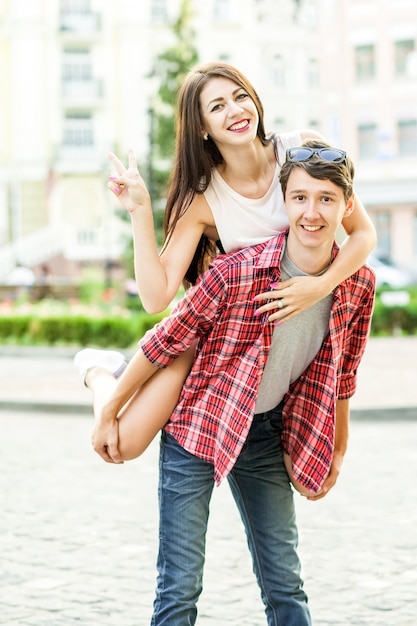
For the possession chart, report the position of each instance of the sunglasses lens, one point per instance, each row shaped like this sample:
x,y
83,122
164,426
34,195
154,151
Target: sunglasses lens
x,y
299,154
332,155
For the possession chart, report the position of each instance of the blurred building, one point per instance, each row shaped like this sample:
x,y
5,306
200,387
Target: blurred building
x,y
77,83
369,105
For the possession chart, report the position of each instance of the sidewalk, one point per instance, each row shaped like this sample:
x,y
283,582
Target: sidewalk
x,y
78,537
44,379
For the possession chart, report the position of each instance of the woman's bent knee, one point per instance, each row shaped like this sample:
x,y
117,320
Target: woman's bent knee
x,y
151,407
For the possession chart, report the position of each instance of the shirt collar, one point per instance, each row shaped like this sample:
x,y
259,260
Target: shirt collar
x,y
274,248
272,252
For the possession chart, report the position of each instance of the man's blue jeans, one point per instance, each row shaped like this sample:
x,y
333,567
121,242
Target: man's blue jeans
x,y
262,492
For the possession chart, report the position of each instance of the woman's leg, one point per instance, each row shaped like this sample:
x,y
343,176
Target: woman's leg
x,y
150,407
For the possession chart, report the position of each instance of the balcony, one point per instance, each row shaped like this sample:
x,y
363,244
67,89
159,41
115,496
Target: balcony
x,y
73,159
82,92
82,23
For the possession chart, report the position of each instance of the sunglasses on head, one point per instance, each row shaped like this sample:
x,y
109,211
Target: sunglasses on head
x,y
332,155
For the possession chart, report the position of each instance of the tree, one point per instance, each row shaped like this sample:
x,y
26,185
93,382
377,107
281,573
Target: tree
x,y
171,66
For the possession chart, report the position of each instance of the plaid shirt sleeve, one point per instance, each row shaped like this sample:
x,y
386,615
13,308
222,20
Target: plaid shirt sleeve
x,y
360,305
192,317
310,405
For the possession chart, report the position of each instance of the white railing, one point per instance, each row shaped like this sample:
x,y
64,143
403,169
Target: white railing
x,y
30,250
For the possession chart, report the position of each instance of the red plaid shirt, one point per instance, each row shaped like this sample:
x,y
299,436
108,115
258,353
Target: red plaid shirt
x,y
216,406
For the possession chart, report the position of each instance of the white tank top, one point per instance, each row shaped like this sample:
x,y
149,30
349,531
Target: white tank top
x,y
242,221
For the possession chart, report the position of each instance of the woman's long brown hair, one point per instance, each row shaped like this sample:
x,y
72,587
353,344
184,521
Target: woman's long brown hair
x,y
195,158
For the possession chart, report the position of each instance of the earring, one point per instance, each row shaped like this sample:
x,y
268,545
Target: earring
x,y
205,136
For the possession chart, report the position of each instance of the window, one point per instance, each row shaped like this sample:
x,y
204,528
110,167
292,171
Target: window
x,y
368,141
312,74
86,237
383,231
76,65
75,7
403,55
78,130
278,73
76,16
159,10
407,137
314,124
365,62
221,10
77,75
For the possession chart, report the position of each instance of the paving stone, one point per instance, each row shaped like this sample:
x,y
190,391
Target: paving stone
x,y
78,538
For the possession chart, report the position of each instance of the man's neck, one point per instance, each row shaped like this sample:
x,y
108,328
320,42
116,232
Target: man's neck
x,y
309,260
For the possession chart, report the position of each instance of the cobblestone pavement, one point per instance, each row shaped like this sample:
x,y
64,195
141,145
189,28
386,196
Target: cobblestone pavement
x,y
78,538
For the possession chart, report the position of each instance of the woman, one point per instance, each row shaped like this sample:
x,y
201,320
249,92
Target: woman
x,y
224,193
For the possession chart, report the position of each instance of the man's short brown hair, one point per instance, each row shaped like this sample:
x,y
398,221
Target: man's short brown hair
x,y
341,174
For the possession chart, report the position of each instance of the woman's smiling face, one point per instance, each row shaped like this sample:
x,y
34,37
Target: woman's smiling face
x,y
228,113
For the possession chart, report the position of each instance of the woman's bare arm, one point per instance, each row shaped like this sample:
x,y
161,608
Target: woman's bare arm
x,y
158,277
302,292
355,249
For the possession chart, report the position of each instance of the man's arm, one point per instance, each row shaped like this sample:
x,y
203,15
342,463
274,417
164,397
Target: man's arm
x,y
340,447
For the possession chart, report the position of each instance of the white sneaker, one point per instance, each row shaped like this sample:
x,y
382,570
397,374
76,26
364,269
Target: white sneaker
x,y
110,360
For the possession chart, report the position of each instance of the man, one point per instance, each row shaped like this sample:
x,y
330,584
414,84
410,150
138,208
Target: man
x,y
257,393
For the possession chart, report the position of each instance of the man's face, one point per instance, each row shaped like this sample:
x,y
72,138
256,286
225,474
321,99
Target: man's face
x,y
315,210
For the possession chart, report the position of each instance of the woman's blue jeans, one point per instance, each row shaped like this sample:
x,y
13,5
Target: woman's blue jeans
x,y
262,492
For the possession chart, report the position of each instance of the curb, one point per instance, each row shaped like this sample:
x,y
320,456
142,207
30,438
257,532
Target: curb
x,y
61,352
406,414
385,414
47,407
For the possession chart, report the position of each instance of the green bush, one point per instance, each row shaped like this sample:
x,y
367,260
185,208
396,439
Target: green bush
x,y
58,323
395,319
80,330
14,327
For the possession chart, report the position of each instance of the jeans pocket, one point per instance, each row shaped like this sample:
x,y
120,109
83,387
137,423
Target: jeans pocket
x,y
274,422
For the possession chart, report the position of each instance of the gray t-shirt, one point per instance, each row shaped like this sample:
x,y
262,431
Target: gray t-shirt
x,y
294,345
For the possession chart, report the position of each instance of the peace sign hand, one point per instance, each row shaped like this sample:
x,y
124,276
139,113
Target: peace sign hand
x,y
127,184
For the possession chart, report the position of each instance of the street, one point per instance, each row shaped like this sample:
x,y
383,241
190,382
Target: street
x,y
78,537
